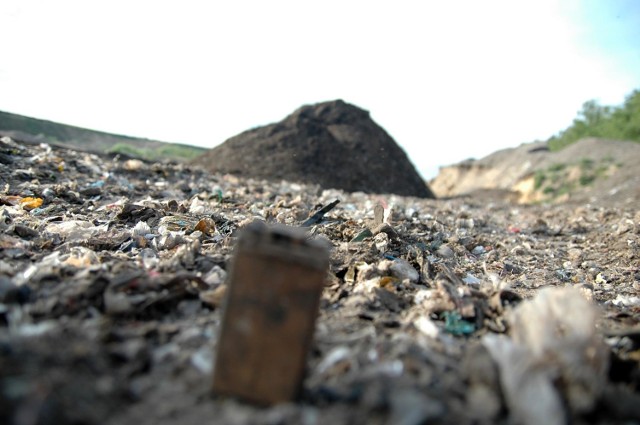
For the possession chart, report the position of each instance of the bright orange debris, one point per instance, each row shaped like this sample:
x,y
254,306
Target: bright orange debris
x,y
30,203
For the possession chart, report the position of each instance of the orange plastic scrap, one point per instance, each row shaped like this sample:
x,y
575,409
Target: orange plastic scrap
x,y
29,203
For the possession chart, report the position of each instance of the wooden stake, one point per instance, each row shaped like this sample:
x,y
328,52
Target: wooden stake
x,y
275,284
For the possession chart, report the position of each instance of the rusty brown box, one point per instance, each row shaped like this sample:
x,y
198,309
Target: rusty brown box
x,y
275,284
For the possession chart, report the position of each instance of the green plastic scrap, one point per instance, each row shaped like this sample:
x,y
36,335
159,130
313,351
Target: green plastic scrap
x,y
455,325
366,233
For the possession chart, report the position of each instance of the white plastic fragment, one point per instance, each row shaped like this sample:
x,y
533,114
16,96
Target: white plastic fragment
x,y
141,229
202,360
366,286
388,368
402,269
529,392
554,354
35,329
41,268
422,295
48,193
335,356
426,326
381,241
365,271
170,240
199,207
626,301
470,279
74,230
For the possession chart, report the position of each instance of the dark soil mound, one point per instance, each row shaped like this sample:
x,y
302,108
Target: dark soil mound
x,y
332,144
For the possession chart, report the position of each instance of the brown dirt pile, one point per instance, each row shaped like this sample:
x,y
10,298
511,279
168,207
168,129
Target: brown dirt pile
x,y
332,144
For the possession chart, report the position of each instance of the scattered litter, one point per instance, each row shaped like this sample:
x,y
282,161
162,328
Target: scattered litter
x,y
114,274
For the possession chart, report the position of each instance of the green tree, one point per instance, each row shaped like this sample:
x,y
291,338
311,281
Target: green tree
x,y
627,118
595,120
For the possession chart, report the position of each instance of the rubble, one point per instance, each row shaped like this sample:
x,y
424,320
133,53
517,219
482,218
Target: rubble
x,y
113,274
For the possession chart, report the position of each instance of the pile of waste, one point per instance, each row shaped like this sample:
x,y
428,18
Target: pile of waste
x,y
114,274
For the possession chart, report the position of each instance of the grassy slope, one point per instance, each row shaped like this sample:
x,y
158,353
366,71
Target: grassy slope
x,y
95,141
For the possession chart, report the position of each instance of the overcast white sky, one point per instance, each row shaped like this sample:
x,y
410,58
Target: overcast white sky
x,y
449,80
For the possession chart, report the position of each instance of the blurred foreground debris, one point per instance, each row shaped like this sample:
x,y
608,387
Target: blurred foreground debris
x,y
275,285
555,361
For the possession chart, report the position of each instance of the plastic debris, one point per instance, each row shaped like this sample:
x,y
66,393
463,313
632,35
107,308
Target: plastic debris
x,y
29,203
626,301
364,234
470,279
338,355
319,215
455,325
426,326
554,355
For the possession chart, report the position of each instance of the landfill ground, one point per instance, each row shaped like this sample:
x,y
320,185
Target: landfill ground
x,y
465,311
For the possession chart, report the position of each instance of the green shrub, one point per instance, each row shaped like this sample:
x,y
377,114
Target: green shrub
x,y
554,168
586,179
126,149
538,179
609,122
586,163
